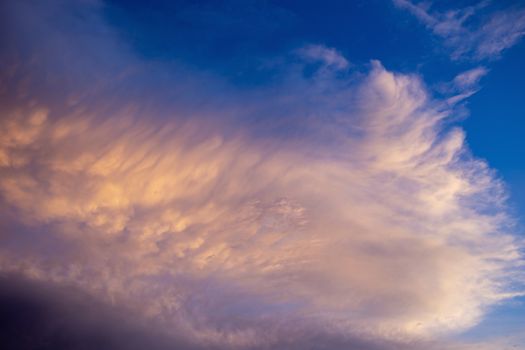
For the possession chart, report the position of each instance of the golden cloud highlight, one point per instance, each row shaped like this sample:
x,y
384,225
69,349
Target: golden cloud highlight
x,y
393,230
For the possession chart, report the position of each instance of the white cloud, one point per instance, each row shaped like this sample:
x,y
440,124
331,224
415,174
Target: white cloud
x,y
485,38
469,78
329,57
463,85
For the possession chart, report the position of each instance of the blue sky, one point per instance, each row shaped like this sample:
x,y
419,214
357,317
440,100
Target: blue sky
x,y
237,39
263,174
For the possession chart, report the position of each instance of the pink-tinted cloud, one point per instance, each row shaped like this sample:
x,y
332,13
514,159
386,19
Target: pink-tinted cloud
x,y
375,222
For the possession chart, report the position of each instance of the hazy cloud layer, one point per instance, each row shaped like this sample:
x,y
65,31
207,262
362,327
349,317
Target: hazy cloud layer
x,y
471,32
364,221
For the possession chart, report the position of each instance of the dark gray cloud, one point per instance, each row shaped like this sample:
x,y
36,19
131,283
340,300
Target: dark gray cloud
x,y
42,315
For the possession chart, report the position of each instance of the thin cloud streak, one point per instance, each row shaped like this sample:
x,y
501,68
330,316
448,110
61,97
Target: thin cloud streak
x,y
464,85
469,78
496,31
329,57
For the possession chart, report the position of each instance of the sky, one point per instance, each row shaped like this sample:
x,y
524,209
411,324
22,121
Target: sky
x,y
262,174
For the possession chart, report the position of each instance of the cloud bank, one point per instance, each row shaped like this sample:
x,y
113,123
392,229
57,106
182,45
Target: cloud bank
x,y
362,221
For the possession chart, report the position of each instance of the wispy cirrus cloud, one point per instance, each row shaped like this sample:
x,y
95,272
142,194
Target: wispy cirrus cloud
x,y
325,55
464,85
486,37
363,222
469,78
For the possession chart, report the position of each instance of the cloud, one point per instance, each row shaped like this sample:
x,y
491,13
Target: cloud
x,y
363,220
37,314
470,77
486,37
463,85
329,57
